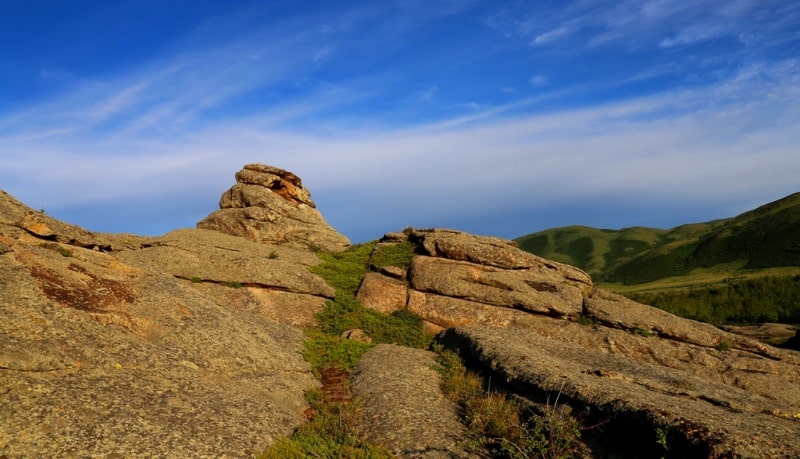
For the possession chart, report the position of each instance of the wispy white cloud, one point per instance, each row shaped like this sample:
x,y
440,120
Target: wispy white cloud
x,y
710,142
693,34
538,80
184,123
551,35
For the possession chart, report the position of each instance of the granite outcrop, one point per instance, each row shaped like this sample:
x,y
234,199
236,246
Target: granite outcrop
x,y
190,343
128,346
540,328
270,205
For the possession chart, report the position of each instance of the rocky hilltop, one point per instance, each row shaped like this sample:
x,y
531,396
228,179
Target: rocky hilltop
x,y
189,344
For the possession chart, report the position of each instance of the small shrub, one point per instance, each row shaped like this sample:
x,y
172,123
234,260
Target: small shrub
x,y
723,345
234,284
65,252
642,332
585,320
500,423
493,415
328,434
324,350
273,255
345,270
196,280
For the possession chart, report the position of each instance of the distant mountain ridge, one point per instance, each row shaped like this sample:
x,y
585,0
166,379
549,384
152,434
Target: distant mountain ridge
x,y
766,237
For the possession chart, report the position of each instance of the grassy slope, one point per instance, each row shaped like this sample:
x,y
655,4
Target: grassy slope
x,y
751,244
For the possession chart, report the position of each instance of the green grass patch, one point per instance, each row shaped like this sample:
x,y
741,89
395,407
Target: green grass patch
x,y
323,350
345,270
331,432
399,255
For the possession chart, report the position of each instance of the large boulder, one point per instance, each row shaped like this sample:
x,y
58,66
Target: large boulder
x,y
271,205
124,346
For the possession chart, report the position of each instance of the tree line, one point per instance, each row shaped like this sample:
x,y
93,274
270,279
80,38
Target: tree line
x,y
741,302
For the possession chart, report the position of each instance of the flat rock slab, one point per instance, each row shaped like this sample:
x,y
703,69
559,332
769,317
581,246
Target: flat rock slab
x,y
403,407
702,418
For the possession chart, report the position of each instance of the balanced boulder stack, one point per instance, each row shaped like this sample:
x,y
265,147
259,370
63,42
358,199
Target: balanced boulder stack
x,y
268,204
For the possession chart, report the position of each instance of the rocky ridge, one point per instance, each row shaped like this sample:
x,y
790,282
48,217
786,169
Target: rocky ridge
x,y
188,343
539,327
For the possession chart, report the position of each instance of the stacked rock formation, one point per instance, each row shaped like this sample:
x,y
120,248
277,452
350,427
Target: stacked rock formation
x,y
268,204
541,328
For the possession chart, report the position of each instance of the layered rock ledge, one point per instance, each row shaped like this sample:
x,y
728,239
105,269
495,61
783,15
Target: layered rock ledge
x,y
538,327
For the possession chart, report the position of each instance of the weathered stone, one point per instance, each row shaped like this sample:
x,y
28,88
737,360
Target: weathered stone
x,y
394,237
496,252
446,312
402,406
18,221
270,205
619,312
382,293
102,357
540,292
704,418
209,256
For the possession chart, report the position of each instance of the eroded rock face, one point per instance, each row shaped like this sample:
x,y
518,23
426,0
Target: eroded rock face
x,y
126,346
541,327
271,205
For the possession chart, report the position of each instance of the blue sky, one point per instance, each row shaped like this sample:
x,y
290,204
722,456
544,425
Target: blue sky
x,y
493,117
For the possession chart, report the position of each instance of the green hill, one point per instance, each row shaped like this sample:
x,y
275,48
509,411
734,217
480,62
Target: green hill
x,y
741,270
766,237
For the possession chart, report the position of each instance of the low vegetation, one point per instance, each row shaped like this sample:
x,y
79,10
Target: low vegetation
x,y
330,432
398,255
503,426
